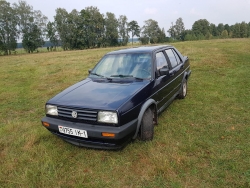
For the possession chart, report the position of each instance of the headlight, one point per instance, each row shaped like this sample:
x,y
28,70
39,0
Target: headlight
x,y
107,117
51,110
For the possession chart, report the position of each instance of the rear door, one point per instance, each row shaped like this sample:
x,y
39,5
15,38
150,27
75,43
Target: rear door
x,y
176,69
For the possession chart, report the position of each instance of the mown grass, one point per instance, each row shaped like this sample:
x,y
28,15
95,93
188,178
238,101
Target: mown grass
x,y
202,141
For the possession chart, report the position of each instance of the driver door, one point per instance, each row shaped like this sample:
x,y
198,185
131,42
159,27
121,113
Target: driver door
x,y
163,84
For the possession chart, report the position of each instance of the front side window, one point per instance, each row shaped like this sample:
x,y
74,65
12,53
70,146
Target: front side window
x,y
161,61
125,65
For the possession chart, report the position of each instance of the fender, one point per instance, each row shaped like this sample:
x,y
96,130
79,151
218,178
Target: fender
x,y
143,109
186,75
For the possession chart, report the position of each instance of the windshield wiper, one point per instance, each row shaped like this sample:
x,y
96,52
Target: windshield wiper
x,y
101,76
126,76
138,78
97,74
121,75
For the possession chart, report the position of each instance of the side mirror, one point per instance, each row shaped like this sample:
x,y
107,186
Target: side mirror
x,y
90,70
164,71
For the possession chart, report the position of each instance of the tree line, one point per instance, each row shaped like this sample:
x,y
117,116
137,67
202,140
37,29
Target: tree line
x,y
203,30
89,28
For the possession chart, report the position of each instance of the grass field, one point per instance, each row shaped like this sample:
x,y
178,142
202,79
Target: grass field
x,y
202,141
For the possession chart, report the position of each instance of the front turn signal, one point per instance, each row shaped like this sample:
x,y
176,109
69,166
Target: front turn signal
x,y
45,124
110,135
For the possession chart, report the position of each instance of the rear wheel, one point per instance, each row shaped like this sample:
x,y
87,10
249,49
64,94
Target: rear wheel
x,y
147,127
183,91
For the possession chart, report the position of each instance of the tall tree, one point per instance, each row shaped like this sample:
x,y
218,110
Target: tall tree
x,y
151,30
32,38
213,30
34,32
177,31
52,34
172,31
61,21
97,25
162,36
220,28
236,31
92,26
8,28
243,30
86,35
111,29
74,35
134,28
201,28
70,27
32,25
24,14
179,28
227,27
123,29
248,29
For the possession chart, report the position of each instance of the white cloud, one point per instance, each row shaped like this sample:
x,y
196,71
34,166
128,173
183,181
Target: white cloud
x,y
150,11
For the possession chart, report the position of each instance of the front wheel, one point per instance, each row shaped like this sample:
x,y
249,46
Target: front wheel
x,y
147,127
183,91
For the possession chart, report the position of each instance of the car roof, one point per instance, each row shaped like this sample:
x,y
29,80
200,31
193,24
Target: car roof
x,y
142,49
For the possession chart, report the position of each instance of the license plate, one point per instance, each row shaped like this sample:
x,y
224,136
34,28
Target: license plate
x,y
72,131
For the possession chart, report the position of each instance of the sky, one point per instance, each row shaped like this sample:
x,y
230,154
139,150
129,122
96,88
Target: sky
x,y
163,11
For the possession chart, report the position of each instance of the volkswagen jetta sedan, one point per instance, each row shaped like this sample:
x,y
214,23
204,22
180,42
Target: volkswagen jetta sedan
x,y
120,99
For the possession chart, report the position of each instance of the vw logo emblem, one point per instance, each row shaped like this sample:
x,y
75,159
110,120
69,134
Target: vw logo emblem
x,y
74,114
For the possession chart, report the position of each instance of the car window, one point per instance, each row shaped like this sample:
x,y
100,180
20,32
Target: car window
x,y
177,57
125,65
108,61
171,57
161,60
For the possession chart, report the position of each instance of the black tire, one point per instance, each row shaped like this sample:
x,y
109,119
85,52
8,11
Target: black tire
x,y
146,132
183,91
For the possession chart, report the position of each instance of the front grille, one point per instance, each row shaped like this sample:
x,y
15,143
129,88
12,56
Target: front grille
x,y
82,114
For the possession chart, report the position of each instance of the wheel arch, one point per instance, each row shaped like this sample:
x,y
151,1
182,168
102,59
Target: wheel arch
x,y
186,75
148,104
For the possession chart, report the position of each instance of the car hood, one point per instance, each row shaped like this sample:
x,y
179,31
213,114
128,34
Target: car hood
x,y
97,95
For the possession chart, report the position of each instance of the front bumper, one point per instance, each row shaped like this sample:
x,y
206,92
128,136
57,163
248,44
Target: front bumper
x,y
123,134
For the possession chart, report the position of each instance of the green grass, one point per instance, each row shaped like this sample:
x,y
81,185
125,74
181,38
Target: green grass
x,y
202,141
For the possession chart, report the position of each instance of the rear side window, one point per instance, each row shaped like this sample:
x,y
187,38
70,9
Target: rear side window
x,y
161,60
171,57
177,57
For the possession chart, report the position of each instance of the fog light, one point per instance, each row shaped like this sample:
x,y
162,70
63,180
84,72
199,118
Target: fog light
x,y
110,135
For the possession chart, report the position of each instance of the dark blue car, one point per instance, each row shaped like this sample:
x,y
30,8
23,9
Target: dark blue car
x,y
121,98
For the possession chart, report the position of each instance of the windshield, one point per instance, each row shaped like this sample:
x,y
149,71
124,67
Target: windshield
x,y
136,65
